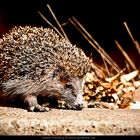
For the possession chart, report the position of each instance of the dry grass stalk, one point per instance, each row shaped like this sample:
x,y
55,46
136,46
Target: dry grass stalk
x,y
126,55
110,80
94,43
127,66
106,67
99,48
50,24
86,38
134,41
57,21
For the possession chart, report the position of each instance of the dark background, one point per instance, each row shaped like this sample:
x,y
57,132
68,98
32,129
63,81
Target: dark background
x,y
102,19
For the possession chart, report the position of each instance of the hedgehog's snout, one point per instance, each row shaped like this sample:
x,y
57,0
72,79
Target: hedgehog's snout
x,y
79,101
74,106
78,106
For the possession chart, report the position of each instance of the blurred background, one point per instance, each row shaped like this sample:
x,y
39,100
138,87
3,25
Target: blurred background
x,y
102,19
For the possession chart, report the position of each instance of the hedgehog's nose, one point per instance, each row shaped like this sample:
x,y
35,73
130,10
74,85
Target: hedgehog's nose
x,y
79,106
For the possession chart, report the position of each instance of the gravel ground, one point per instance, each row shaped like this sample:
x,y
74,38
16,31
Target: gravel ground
x,y
89,121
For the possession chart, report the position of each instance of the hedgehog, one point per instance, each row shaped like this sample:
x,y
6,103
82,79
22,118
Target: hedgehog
x,y
36,62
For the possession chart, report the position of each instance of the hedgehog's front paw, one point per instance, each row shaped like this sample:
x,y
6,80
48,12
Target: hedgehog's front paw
x,y
38,108
32,105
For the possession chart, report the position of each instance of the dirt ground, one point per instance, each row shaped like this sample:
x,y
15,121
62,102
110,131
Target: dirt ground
x,y
89,121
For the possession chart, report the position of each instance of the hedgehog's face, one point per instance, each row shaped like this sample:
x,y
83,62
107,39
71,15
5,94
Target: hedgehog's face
x,y
71,88
72,94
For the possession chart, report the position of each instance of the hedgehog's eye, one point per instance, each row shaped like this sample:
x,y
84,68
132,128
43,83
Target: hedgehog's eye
x,y
69,86
22,73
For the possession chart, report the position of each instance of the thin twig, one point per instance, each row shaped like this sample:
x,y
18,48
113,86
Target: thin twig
x,y
96,43
98,50
93,43
126,55
50,23
127,66
57,22
84,36
134,41
126,26
110,80
106,67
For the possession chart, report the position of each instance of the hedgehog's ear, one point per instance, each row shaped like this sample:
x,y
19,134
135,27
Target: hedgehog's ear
x,y
60,73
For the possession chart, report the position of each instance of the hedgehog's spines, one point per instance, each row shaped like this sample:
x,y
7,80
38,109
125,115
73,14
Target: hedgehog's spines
x,y
35,48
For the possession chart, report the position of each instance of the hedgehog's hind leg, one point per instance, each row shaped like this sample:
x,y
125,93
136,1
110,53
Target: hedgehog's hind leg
x,y
32,104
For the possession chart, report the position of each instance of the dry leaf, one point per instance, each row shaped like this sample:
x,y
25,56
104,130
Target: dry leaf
x,y
136,84
89,77
125,102
127,77
110,105
136,95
